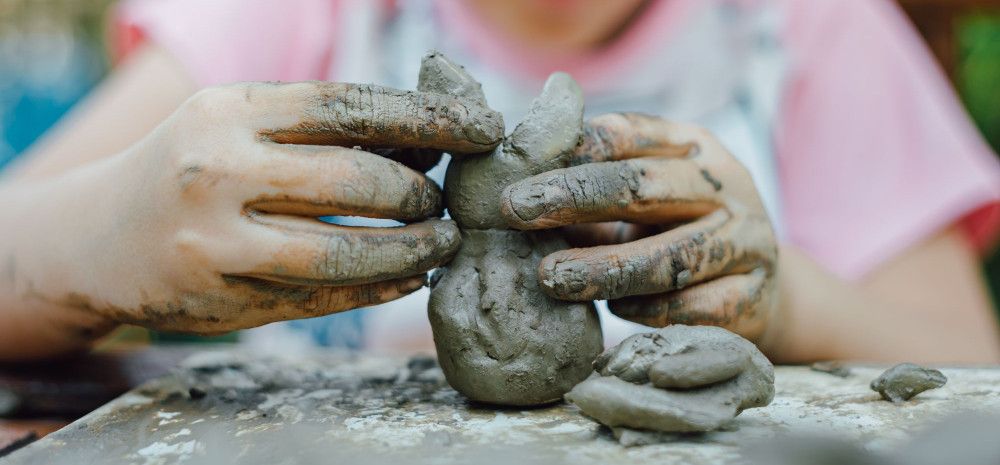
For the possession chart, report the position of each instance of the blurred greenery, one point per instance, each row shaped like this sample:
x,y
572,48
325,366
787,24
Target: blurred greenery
x,y
978,80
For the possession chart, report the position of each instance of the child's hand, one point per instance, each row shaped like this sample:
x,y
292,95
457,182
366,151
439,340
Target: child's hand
x,y
697,246
211,222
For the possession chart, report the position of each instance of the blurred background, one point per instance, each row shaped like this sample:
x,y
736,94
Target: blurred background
x,y
52,52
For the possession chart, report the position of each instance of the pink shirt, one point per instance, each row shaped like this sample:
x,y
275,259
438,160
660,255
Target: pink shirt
x,y
874,152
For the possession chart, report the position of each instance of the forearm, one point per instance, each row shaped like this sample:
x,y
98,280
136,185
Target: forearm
x,y
132,101
43,309
824,317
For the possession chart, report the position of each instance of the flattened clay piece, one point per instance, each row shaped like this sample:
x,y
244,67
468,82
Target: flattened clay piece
x,y
677,379
906,380
499,338
831,367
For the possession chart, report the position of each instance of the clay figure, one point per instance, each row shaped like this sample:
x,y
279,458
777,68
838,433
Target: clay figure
x,y
676,379
499,338
906,380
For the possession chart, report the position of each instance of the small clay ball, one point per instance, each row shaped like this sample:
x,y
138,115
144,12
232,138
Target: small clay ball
x,y
906,380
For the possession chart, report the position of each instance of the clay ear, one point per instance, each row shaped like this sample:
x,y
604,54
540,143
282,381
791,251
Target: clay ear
x,y
553,126
698,368
440,75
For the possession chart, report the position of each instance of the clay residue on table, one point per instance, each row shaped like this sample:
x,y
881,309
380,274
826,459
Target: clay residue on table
x,y
904,381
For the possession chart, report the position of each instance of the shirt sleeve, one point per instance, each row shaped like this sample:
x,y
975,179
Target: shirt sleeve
x,y
221,41
875,152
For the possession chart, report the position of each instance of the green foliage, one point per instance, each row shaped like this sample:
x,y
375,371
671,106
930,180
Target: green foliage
x,y
979,72
978,81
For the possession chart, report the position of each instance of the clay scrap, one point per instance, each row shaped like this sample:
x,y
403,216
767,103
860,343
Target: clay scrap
x,y
676,379
499,338
903,381
831,367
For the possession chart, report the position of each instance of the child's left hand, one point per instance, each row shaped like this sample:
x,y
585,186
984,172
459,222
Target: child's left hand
x,y
690,240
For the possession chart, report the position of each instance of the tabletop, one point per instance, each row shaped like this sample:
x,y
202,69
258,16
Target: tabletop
x,y
345,408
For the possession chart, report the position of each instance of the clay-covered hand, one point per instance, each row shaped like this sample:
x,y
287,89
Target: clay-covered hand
x,y
676,379
681,235
212,219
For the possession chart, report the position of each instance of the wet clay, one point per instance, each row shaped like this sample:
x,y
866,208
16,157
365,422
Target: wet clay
x,y
906,380
676,379
499,338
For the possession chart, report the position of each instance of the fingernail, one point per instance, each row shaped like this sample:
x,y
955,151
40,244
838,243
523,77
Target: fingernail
x,y
567,278
529,203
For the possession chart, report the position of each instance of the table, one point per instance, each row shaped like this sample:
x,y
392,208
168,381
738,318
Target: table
x,y
354,408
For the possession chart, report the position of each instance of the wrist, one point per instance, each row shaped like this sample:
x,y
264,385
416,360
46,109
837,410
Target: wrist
x,y
46,302
804,324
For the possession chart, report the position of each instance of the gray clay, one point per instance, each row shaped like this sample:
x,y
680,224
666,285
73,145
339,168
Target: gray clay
x,y
676,379
499,338
831,367
906,380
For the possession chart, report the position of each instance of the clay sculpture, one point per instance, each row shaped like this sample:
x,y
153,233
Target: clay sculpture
x,y
499,338
906,380
676,379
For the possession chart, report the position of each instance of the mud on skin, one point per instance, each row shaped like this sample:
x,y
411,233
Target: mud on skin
x,y
499,338
904,381
676,379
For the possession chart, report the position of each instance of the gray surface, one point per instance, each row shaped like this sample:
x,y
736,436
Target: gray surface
x,y
359,409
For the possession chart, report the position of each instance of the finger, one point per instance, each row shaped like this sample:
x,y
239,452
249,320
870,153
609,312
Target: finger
x,y
269,301
309,253
701,367
614,232
730,302
689,254
421,160
251,302
330,181
620,136
348,115
640,191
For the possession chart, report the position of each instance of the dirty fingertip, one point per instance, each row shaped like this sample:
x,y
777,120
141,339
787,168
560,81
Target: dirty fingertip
x,y
449,239
483,126
567,280
523,204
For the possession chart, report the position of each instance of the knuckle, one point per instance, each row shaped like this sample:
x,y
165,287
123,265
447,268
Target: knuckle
x,y
205,100
190,246
196,175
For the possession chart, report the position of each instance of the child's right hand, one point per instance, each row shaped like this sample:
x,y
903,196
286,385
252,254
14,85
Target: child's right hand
x,y
208,224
